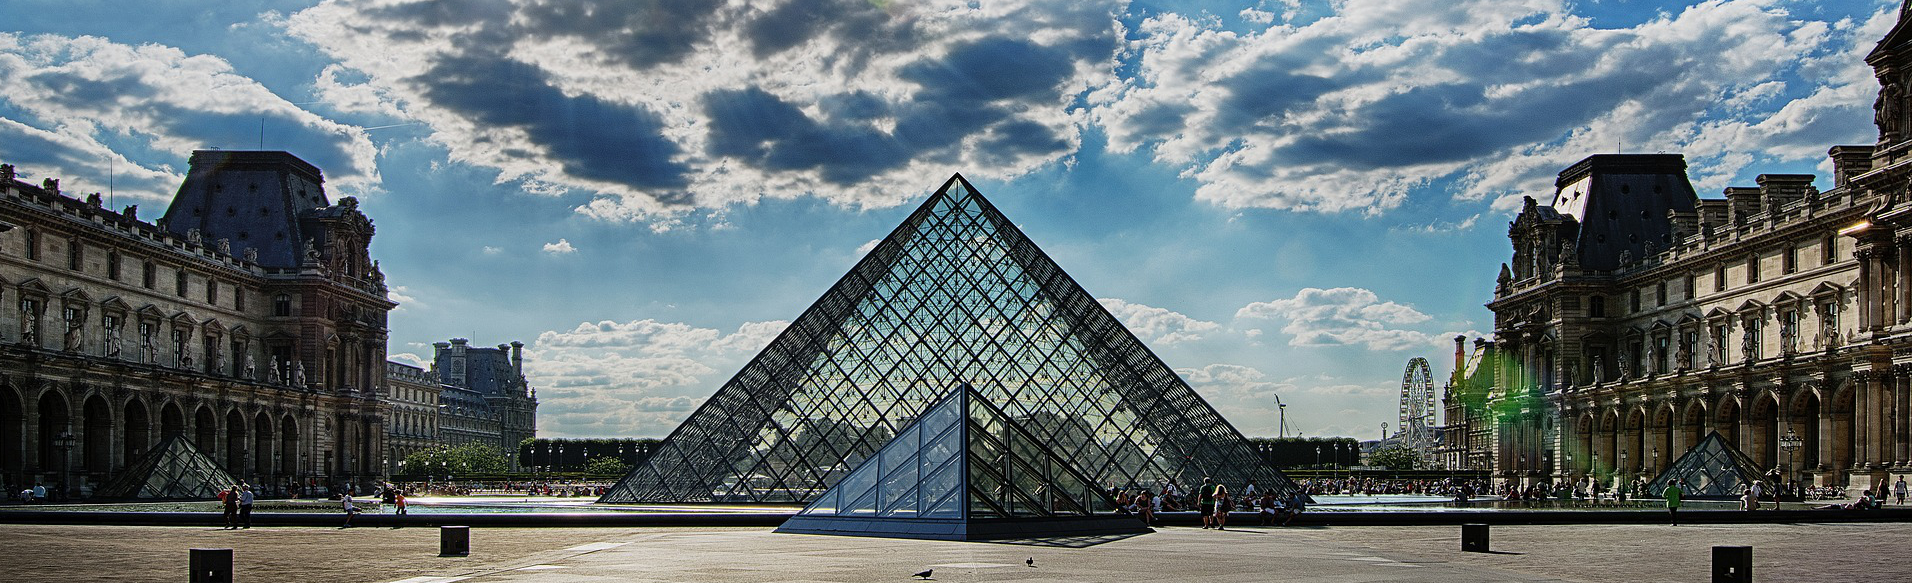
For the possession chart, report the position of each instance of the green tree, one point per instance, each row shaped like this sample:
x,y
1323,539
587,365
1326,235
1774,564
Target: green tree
x,y
464,460
1395,457
607,466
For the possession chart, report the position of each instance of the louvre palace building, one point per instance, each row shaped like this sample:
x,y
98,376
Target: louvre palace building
x,y
1635,318
249,319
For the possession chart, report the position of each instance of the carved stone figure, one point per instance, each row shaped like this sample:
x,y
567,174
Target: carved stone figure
x,y
1889,112
251,255
250,371
1684,356
72,341
6,172
272,373
1748,346
194,238
51,185
298,374
112,343
93,200
224,246
1599,371
131,211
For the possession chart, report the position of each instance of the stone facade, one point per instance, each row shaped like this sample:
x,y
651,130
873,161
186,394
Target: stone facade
x,y
1636,317
484,396
250,318
413,427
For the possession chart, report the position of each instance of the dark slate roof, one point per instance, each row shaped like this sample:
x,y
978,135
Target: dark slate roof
x,y
1622,203
253,198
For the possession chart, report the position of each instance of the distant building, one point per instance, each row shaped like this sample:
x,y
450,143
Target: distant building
x,y
1636,317
484,398
413,424
250,319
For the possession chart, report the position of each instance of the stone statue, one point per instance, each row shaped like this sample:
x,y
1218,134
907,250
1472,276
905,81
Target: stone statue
x,y
252,255
1626,257
1599,370
1748,345
51,185
224,246
72,342
1626,368
6,173
272,373
131,211
194,238
251,372
112,343
1684,355
93,200
298,374
152,353
29,328
311,251
185,358
1889,111
1652,359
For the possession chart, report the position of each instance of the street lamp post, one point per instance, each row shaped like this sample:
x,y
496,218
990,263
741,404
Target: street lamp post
x,y
1790,442
1621,472
64,441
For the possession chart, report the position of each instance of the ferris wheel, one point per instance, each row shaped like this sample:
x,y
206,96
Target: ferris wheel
x,y
1417,407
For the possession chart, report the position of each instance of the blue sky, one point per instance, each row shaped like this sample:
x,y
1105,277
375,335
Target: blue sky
x,y
1287,197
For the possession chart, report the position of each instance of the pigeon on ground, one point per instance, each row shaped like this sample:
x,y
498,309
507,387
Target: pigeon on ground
x,y
924,575
1031,561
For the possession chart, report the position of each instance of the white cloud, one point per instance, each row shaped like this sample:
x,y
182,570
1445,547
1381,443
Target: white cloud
x,y
659,107
71,96
1342,316
562,247
402,295
411,359
490,250
1354,111
638,377
866,248
1157,325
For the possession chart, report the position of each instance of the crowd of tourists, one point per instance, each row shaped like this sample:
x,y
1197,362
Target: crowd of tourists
x,y
1213,500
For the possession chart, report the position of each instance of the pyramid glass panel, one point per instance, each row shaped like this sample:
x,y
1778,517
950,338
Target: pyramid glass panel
x,y
1003,484
173,470
956,294
1712,469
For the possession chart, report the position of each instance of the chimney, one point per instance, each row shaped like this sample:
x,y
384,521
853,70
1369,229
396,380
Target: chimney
x,y
1460,356
517,358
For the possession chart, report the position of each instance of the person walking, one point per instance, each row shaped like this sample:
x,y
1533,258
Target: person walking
x,y
1898,490
245,505
400,498
1672,496
350,510
229,499
1207,497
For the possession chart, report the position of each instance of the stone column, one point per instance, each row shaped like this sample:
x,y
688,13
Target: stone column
x,y
1902,280
1868,293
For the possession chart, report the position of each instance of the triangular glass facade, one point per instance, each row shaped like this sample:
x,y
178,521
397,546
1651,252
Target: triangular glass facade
x,y
1711,469
173,470
955,294
964,470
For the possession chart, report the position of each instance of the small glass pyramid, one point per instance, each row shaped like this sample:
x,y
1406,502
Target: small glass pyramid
x,y
1711,469
173,470
955,294
964,471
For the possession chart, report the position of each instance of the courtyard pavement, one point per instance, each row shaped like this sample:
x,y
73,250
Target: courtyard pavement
x,y
1782,552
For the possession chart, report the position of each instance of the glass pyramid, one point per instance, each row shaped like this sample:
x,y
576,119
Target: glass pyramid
x,y
173,470
955,294
1711,469
964,470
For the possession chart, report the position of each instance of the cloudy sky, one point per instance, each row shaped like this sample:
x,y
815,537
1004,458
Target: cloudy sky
x,y
1283,197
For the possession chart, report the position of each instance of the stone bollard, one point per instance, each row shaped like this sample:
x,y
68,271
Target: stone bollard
x,y
454,541
1732,564
211,565
1474,538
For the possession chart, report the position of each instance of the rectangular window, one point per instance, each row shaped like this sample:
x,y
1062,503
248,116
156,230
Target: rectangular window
x,y
148,275
1790,264
1719,343
238,298
148,352
1659,294
1753,340
1752,269
1829,250
179,283
1597,306
30,321
212,291
112,341
281,305
33,244
1719,278
113,265
1634,300
1690,291
75,255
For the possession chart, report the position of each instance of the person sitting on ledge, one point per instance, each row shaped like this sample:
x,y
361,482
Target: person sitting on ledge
x,y
1865,502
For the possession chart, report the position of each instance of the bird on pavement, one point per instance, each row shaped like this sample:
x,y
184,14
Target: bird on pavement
x,y
1031,561
924,575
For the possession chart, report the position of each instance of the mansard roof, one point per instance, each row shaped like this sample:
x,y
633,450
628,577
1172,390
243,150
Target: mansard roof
x,y
253,199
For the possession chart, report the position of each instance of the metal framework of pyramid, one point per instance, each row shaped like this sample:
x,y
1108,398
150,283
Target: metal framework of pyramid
x,y
964,471
955,294
1711,469
173,470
